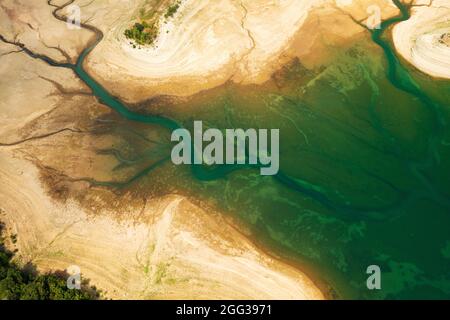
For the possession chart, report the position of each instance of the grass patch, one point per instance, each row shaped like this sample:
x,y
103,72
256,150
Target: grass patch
x,y
142,33
18,283
172,10
145,31
161,272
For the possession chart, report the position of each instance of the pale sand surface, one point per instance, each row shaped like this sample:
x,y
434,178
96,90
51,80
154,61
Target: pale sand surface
x,y
206,43
32,22
176,250
420,39
331,26
25,94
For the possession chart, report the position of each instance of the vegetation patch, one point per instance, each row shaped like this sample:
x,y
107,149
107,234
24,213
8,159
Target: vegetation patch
x,y
172,10
145,31
25,284
445,39
161,272
142,33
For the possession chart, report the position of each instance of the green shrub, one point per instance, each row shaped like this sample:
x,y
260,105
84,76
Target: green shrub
x,y
172,10
141,33
16,283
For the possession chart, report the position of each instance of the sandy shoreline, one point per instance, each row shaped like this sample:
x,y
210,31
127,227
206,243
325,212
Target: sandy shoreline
x,y
180,252
205,44
420,39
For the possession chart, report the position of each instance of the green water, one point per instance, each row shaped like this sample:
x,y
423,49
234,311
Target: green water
x,y
365,167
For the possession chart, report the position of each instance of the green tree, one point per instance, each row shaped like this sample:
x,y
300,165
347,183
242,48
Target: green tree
x,y
15,283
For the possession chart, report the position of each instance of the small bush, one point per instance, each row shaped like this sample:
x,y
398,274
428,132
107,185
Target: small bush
x,y
16,283
141,33
172,10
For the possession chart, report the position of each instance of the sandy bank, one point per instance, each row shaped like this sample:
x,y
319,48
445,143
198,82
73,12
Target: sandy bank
x,y
422,39
178,251
208,43
202,46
